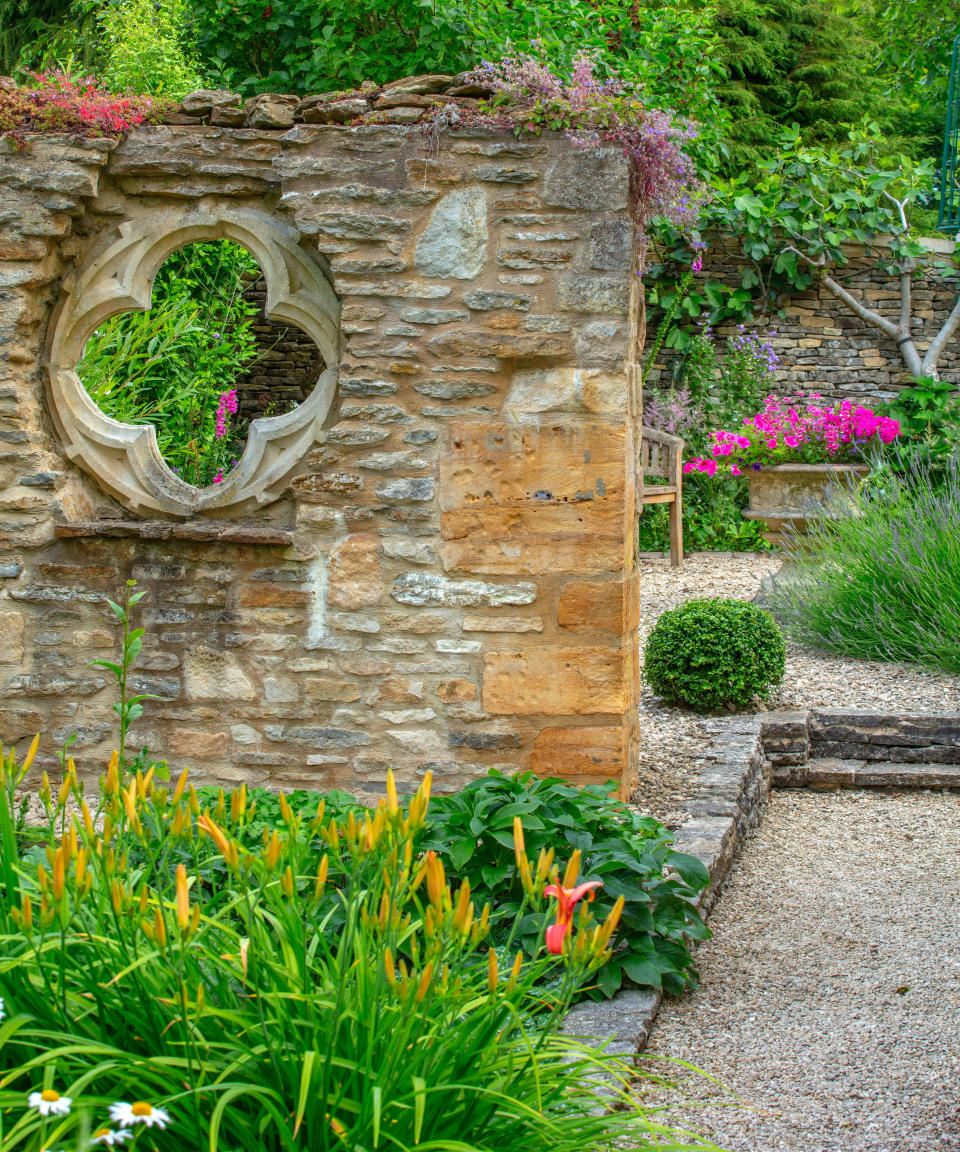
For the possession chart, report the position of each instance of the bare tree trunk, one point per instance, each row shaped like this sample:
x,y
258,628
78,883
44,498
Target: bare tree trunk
x,y
901,331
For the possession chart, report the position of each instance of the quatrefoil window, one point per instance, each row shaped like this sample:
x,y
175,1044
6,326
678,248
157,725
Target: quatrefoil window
x,y
125,458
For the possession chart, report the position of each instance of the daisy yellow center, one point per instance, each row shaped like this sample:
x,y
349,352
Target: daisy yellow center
x,y
49,1096
141,1108
101,1132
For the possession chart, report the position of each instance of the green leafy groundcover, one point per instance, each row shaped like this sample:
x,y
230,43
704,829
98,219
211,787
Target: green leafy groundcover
x,y
472,831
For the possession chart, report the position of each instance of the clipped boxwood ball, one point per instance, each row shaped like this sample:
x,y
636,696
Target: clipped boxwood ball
x,y
714,654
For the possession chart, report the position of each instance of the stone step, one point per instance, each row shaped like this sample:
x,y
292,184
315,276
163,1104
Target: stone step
x,y
833,773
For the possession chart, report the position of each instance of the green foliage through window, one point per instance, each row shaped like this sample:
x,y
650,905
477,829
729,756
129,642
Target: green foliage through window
x,y
175,366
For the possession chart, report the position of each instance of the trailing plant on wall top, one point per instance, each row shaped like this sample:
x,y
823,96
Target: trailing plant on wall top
x,y
75,106
595,111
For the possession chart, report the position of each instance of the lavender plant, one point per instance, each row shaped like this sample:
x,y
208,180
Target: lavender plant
x,y
879,578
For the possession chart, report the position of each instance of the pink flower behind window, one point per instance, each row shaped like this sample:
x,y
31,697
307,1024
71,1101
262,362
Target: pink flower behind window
x,y
226,404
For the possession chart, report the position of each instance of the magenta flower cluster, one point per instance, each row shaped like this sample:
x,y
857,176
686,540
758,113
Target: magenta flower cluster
x,y
797,430
227,404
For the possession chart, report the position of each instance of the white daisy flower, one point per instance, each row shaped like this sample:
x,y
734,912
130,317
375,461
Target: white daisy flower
x,y
49,1103
109,1137
139,1112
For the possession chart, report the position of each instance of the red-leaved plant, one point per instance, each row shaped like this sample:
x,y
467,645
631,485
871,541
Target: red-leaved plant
x,y
72,106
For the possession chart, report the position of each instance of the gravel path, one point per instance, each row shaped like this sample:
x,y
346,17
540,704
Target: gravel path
x,y
830,995
671,737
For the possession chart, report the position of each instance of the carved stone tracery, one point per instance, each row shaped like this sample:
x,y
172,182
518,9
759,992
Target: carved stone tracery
x,y
125,458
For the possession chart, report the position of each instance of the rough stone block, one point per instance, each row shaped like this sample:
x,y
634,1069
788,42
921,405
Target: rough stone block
x,y
554,681
454,243
597,605
212,675
456,691
353,579
429,588
594,750
502,624
198,745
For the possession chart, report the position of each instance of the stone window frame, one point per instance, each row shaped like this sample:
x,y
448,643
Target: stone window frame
x,y
118,277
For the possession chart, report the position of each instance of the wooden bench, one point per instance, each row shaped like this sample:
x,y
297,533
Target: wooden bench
x,y
661,455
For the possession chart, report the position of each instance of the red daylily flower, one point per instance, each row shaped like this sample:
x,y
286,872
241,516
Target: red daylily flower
x,y
567,899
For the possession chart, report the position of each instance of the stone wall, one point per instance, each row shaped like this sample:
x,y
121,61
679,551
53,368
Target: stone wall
x,y
286,365
824,347
448,582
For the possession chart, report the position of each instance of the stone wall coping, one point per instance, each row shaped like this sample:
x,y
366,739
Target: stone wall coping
x,y
816,469
166,530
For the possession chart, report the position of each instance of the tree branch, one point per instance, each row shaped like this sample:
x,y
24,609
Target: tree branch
x,y
901,204
938,343
858,308
906,303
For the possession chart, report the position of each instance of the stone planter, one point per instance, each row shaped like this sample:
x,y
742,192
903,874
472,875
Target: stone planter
x,y
786,494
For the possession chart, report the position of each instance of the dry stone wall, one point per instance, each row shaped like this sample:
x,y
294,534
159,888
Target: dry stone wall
x,y
286,364
823,347
448,582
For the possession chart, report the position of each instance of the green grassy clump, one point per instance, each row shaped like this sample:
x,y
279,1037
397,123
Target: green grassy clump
x,y
879,579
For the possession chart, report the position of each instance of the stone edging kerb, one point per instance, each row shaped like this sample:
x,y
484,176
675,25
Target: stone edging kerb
x,y
746,756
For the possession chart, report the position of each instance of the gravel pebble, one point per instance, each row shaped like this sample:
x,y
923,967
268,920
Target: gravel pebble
x,y
671,737
830,997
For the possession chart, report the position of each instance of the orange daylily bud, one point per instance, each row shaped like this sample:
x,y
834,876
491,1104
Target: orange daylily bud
x,y
272,855
493,973
112,784
392,802
180,788
27,912
58,874
519,847
159,928
286,812
321,877
544,864
28,759
573,869
515,972
238,803
227,848
436,879
183,900
424,986
286,882
463,914
389,968
608,927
